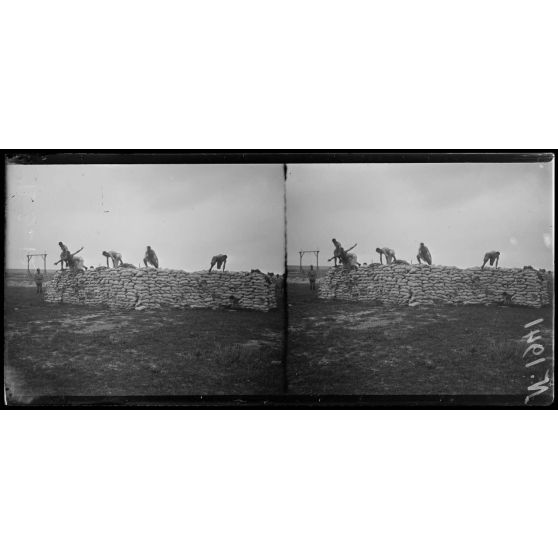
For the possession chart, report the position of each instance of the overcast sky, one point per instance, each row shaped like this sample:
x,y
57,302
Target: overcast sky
x,y
460,211
186,213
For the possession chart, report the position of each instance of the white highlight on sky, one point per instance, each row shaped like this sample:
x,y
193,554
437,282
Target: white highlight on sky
x,y
547,239
187,213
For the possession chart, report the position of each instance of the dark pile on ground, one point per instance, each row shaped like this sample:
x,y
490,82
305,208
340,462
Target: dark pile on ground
x,y
338,347
69,350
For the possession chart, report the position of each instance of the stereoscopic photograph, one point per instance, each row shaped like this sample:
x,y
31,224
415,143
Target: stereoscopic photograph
x,y
143,280
287,283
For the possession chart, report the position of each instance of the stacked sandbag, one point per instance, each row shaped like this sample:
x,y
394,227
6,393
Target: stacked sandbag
x,y
154,288
414,285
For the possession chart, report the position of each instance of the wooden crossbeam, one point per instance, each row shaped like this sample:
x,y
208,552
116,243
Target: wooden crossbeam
x,y
29,256
302,252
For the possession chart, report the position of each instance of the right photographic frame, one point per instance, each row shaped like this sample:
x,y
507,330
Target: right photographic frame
x,y
424,279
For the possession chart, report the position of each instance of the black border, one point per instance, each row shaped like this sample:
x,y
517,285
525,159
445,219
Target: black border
x,y
277,156
287,401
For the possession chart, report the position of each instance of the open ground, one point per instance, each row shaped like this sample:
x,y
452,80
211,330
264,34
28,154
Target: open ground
x,y
333,347
71,350
348,348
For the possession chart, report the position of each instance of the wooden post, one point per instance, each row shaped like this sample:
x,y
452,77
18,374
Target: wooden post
x,y
300,263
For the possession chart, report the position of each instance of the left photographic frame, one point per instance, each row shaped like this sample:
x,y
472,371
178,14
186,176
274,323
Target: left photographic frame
x,y
149,281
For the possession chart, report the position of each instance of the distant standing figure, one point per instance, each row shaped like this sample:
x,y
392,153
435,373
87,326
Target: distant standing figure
x,y
219,260
116,258
151,258
312,278
388,253
494,257
39,281
424,254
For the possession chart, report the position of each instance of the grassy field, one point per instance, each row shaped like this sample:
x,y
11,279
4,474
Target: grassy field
x,y
68,350
24,278
302,276
334,348
357,348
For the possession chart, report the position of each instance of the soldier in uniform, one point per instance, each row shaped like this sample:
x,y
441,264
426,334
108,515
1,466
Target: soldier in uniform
x,y
312,278
39,281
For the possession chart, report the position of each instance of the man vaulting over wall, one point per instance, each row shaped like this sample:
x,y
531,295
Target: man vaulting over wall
x,y
74,263
339,253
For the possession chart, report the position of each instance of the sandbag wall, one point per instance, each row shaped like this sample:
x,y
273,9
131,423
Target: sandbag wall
x,y
413,285
155,288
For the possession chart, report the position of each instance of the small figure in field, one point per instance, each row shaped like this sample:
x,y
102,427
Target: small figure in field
x,y
388,253
63,255
116,258
493,257
151,257
312,278
219,260
339,252
424,254
39,281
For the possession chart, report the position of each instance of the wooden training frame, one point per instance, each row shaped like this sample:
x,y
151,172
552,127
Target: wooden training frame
x,y
302,252
29,256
